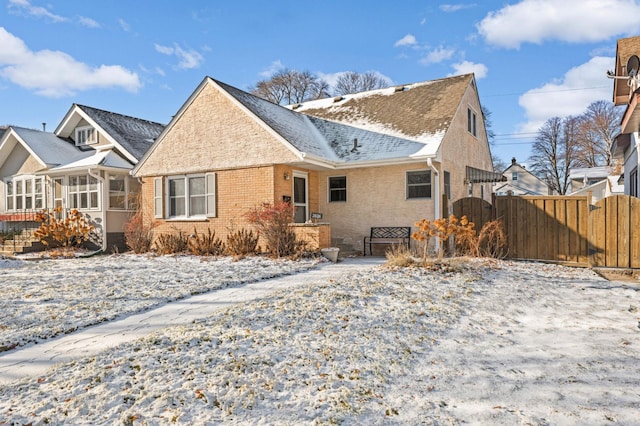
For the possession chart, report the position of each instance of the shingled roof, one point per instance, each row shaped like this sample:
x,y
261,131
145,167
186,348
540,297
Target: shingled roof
x,y
48,148
420,112
134,134
359,137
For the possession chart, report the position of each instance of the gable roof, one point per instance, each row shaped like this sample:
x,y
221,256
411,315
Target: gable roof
x,y
47,148
420,112
133,136
405,124
322,138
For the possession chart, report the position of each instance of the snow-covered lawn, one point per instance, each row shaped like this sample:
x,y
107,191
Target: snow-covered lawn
x,y
494,342
41,299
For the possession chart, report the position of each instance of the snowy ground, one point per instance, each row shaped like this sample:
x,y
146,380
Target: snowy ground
x,y
46,298
490,343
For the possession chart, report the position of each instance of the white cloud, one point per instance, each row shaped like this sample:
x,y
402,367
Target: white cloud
x,y
408,40
437,55
88,22
272,69
449,8
534,21
571,95
124,25
24,6
189,59
56,74
467,67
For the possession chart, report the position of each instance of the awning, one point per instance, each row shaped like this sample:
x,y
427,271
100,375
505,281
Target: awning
x,y
483,176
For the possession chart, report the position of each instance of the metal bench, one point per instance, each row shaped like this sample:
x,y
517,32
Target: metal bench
x,y
387,235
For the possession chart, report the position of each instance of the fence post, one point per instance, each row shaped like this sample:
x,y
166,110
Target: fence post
x,y
590,250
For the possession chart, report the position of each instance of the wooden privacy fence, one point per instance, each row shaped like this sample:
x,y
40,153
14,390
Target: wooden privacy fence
x,y
565,229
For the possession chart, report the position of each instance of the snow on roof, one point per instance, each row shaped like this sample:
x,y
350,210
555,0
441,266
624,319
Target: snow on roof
x,y
296,128
49,148
103,158
134,134
421,112
590,172
334,140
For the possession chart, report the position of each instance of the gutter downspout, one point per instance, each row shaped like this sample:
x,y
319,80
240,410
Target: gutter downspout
x,y
103,208
436,196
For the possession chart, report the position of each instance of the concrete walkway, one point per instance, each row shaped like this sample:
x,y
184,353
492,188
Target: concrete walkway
x,y
32,361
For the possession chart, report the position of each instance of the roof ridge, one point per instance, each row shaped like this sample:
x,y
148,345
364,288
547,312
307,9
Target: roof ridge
x,y
119,114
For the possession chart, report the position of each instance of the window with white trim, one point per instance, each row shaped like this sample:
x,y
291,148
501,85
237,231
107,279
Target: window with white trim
x,y
85,136
117,192
419,184
83,192
514,175
471,122
25,193
337,188
190,196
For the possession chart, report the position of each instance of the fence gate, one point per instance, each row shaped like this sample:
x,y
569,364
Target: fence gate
x,y
615,232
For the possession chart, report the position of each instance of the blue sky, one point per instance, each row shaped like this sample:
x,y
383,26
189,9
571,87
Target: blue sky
x,y
533,59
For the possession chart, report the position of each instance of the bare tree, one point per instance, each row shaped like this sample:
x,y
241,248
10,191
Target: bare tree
x,y
598,127
353,82
290,86
554,152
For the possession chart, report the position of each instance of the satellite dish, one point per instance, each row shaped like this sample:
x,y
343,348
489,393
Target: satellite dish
x,y
633,65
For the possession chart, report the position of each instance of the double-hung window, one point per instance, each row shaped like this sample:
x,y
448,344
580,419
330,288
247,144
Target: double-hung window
x,y
189,196
337,188
83,192
25,193
419,184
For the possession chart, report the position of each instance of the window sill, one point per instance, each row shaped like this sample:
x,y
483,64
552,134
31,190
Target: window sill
x,y
187,219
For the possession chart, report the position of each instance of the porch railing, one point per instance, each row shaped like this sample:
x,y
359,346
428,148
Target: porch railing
x,y
17,228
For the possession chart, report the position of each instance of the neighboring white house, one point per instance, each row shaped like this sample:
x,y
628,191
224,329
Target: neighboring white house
x,y
83,165
626,91
520,181
600,181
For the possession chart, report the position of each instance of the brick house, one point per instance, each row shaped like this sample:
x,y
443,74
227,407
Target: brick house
x,y
84,164
379,158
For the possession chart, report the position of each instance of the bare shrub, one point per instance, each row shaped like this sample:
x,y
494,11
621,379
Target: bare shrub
x,y
272,222
242,242
492,240
206,244
399,256
171,243
443,229
137,235
71,231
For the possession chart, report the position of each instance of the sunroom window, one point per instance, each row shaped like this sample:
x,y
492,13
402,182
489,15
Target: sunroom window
x,y
25,193
83,192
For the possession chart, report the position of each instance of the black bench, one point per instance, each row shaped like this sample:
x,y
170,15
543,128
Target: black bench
x,y
387,235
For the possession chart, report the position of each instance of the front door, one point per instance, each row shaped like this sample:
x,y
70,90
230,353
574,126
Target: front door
x,y
300,199
58,197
